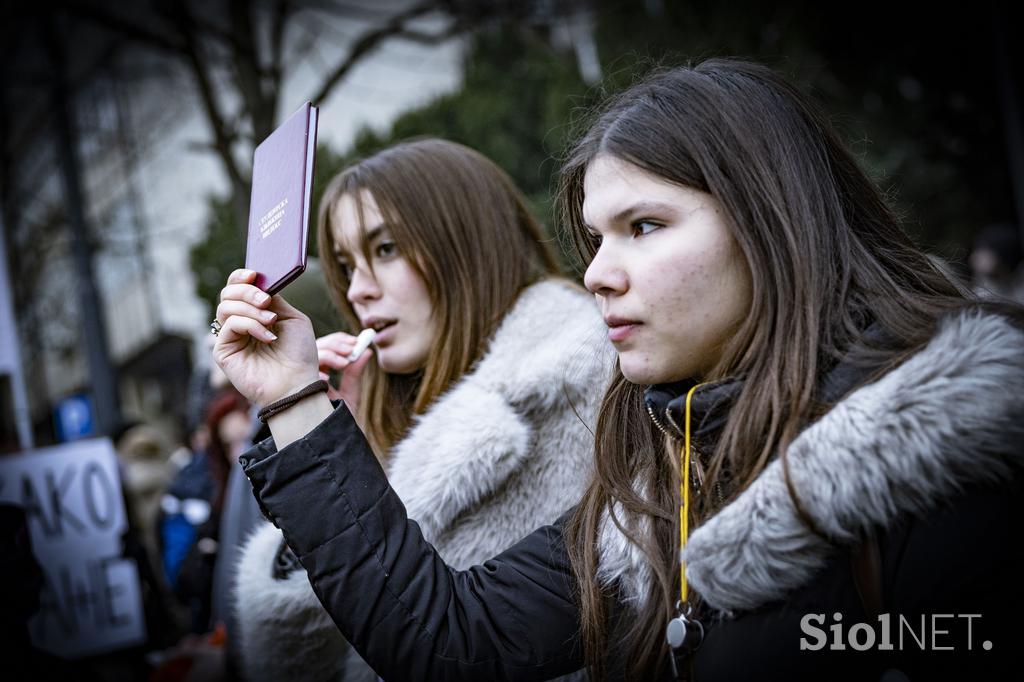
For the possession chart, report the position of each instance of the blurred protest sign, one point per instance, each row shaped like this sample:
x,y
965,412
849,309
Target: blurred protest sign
x,y
90,601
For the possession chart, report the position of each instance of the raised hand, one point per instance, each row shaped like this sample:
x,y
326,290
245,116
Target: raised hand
x,y
265,346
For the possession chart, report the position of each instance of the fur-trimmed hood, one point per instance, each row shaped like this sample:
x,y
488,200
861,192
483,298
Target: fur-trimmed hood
x,y
950,416
499,454
489,432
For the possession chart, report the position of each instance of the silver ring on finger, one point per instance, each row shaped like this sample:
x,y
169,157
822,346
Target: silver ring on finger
x,y
215,327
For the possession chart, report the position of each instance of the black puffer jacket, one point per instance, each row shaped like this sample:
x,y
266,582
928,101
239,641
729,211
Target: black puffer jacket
x,y
928,456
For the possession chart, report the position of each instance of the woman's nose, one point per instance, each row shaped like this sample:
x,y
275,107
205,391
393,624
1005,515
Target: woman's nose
x,y
605,276
362,286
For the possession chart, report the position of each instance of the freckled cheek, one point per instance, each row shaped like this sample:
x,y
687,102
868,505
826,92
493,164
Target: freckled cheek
x,y
675,288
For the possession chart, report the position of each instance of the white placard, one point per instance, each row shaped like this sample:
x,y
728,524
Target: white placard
x,y
91,601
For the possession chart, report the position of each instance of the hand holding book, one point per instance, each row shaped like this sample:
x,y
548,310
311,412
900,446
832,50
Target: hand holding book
x,y
266,347
249,316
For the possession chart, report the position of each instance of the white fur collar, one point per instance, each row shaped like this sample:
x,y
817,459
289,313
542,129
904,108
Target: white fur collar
x,y
951,415
474,436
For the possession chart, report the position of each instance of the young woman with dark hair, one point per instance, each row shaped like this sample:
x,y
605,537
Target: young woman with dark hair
x,y
476,394
797,384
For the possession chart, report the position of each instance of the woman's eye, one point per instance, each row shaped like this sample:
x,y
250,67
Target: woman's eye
x,y
346,269
642,227
594,239
385,250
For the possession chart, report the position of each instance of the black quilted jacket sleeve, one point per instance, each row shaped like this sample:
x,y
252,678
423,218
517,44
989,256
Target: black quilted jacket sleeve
x,y
409,615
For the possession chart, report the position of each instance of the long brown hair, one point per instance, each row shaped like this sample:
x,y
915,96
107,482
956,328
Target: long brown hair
x,y
827,257
466,230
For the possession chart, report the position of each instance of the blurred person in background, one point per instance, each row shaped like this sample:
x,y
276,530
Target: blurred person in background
x,y
144,462
188,502
995,263
146,471
186,506
228,426
202,654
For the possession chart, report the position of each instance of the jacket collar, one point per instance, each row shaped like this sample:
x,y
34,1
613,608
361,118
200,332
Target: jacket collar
x,y
709,409
712,402
550,347
950,416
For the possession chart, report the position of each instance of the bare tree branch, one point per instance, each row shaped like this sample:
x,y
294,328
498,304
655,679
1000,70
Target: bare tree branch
x,y
256,76
212,30
123,27
366,43
433,38
258,104
279,17
222,141
34,121
349,10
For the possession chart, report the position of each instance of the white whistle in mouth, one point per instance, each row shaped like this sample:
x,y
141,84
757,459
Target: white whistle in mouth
x,y
363,342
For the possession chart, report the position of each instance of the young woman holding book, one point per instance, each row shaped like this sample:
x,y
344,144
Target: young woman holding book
x,y
476,395
810,430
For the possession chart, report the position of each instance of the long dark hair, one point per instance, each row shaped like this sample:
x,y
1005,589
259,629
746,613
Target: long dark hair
x,y
465,228
827,257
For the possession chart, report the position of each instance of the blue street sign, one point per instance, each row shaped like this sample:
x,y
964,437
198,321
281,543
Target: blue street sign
x,y
75,418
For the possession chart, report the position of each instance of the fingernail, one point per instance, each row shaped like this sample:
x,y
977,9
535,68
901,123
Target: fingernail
x,y
268,316
262,298
271,336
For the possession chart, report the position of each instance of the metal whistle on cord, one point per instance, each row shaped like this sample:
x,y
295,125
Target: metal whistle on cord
x,y
684,635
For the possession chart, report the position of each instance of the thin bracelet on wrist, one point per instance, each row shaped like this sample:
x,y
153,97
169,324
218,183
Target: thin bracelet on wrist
x,y
284,403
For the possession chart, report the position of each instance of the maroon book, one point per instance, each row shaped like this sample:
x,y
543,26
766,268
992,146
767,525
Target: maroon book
x,y
282,181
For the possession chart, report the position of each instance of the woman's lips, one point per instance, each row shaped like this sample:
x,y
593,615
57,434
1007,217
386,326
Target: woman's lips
x,y
385,334
621,332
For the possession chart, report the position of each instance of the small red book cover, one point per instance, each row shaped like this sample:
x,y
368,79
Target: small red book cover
x,y
282,181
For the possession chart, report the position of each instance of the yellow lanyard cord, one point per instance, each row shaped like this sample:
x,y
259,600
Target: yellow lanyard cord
x,y
684,496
